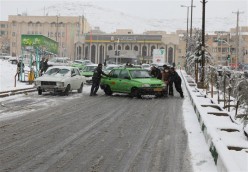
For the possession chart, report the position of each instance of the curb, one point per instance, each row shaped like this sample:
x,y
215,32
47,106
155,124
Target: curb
x,y
216,146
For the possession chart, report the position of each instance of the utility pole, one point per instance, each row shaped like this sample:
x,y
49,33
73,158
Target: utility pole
x,y
191,18
201,84
237,38
188,24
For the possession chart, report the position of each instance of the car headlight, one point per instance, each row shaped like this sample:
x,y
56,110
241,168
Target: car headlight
x,y
37,83
60,84
146,85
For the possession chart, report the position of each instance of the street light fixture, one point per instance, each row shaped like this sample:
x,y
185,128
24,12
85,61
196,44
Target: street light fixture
x,y
229,47
188,24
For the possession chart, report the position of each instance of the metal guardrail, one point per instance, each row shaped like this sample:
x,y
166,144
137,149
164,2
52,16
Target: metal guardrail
x,y
17,91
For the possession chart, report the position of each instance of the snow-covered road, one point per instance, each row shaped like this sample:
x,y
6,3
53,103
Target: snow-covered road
x,y
83,133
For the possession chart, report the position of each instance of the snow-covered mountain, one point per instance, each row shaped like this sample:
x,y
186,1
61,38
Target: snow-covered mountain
x,y
111,19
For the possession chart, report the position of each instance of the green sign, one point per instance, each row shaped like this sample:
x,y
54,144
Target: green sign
x,y
40,41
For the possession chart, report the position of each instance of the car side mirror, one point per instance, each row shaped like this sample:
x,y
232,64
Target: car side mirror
x,y
126,77
72,75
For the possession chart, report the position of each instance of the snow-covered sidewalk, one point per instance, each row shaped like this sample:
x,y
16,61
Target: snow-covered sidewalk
x,y
7,77
225,138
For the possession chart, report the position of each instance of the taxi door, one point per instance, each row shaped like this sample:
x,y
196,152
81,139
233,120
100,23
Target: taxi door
x,y
124,82
113,79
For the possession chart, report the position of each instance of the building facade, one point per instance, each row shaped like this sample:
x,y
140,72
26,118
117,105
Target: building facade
x,y
4,37
63,29
101,47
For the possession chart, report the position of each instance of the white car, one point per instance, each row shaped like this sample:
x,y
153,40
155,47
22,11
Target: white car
x,y
146,66
60,79
109,67
59,61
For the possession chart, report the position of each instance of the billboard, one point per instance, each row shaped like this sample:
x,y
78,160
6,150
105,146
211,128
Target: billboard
x,y
158,56
41,42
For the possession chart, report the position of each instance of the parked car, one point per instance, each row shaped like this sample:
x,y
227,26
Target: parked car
x,y
146,66
133,81
81,63
13,60
221,69
59,61
109,67
60,79
245,69
87,71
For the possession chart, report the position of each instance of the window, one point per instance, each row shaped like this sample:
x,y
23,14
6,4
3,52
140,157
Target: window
x,y
124,74
13,33
63,34
77,72
114,73
13,44
3,33
30,24
3,25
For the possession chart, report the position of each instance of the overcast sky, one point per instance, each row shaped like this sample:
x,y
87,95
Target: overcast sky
x,y
216,10
143,8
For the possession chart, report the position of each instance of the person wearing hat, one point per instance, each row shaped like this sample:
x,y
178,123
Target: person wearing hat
x,y
176,79
96,78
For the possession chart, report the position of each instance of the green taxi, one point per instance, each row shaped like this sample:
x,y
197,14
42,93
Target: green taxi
x,y
87,71
133,81
81,63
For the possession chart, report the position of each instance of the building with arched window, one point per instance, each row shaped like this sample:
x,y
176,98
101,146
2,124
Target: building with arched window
x,y
100,47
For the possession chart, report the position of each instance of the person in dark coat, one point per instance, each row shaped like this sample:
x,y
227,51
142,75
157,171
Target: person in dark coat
x,y
45,65
42,66
175,78
155,72
165,78
20,68
97,75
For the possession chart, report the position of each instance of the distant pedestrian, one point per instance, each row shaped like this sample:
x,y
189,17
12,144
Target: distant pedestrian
x,y
45,65
96,79
175,78
41,66
20,68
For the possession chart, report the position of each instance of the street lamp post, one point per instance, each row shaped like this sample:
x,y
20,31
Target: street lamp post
x,y
187,26
188,23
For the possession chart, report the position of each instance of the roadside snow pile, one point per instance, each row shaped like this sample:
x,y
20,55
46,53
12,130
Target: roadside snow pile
x,y
223,133
7,77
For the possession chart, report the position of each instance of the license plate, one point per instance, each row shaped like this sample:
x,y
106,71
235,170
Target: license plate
x,y
157,89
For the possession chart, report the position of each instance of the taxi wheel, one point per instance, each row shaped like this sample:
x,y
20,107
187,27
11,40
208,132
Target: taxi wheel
x,y
159,95
135,93
81,88
66,92
108,91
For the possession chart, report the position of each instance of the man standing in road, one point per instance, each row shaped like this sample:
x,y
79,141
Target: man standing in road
x,y
175,78
97,75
